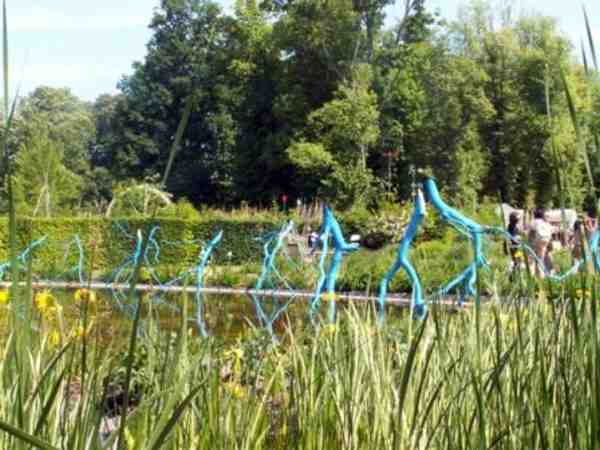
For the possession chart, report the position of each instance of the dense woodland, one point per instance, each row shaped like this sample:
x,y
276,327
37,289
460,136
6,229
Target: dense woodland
x,y
322,99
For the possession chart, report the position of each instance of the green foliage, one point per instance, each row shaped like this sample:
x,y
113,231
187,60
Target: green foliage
x,y
182,209
111,246
42,184
66,120
345,128
320,101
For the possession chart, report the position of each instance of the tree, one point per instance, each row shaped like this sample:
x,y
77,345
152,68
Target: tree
x,y
43,186
519,58
344,131
66,120
186,58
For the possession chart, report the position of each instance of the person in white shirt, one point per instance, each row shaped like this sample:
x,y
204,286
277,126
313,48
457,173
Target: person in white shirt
x,y
540,239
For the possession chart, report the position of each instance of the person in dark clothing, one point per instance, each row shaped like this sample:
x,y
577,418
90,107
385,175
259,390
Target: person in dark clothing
x,y
514,230
578,238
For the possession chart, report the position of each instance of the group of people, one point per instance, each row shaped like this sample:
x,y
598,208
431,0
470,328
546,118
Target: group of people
x,y
539,235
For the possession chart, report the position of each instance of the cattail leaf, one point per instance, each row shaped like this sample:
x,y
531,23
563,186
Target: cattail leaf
x,y
25,437
590,38
580,143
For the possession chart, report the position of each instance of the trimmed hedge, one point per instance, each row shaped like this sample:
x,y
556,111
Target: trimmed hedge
x,y
111,241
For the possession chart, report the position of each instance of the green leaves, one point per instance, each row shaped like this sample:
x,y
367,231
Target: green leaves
x,y
310,157
43,186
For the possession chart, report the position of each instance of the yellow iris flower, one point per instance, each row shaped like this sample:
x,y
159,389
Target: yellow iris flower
x,y
328,330
45,302
329,297
236,390
583,294
54,338
83,295
4,298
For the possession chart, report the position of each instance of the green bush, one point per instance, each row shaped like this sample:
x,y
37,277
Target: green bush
x,y
107,243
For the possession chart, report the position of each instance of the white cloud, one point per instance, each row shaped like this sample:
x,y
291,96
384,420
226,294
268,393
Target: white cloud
x,y
43,19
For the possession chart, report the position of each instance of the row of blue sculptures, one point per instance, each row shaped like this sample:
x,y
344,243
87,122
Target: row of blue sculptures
x,y
329,266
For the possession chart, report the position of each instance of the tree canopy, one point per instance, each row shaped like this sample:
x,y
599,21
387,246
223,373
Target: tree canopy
x,y
319,99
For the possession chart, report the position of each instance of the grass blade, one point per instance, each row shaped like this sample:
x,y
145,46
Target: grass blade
x,y
49,402
164,433
580,142
25,437
590,38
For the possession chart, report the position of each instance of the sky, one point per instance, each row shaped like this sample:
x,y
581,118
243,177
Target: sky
x,y
89,46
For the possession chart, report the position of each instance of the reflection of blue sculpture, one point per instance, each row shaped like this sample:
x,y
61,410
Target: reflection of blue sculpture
x,y
330,227
127,270
473,230
271,275
81,260
402,262
22,258
203,262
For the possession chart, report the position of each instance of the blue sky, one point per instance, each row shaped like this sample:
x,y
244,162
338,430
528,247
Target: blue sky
x,y
89,45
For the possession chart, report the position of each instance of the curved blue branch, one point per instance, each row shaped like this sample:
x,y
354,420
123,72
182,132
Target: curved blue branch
x,y
403,262
468,278
330,226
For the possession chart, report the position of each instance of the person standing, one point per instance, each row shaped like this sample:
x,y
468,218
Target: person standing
x,y
540,239
579,237
514,244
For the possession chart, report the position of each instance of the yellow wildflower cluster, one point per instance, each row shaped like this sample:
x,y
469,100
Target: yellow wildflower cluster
x,y
85,295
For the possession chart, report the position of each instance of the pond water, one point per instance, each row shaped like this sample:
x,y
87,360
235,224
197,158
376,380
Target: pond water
x,y
226,316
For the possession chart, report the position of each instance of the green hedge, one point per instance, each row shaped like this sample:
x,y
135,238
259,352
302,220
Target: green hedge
x,y
109,245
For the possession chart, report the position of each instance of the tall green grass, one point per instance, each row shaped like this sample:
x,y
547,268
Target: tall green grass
x,y
526,377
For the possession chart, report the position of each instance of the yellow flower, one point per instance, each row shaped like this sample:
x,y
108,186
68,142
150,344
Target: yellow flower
x,y
518,254
129,439
583,294
45,302
79,332
145,275
54,338
329,297
4,298
234,353
329,330
236,390
83,295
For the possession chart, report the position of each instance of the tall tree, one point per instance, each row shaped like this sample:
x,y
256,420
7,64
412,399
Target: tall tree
x,y
67,121
343,132
43,185
186,58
